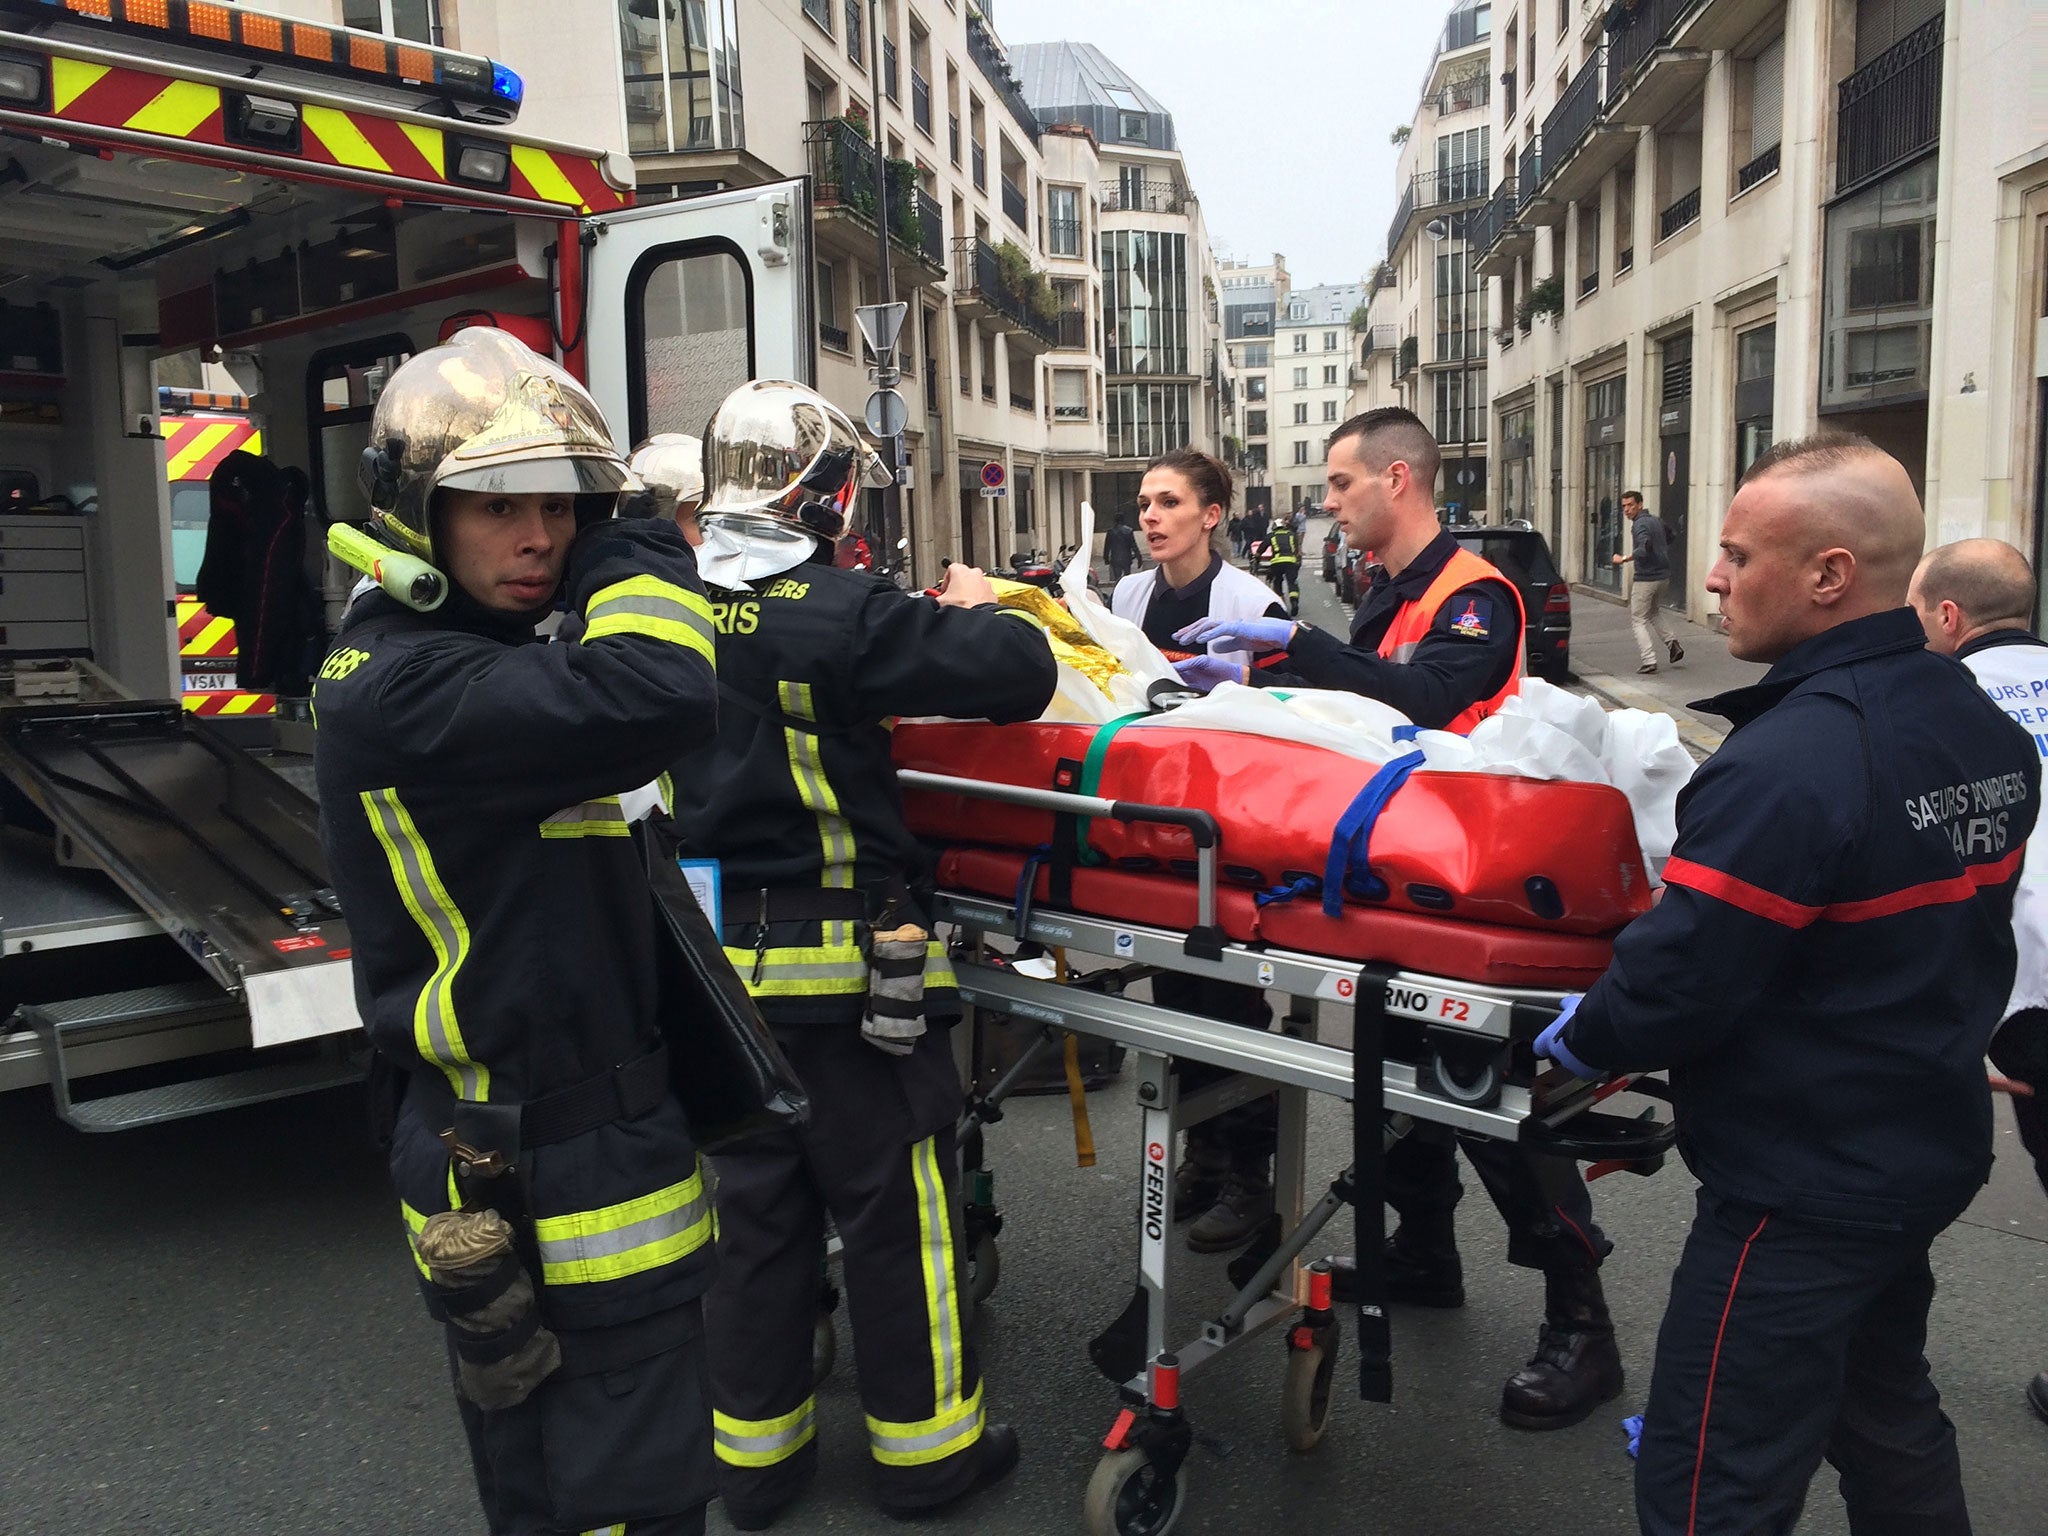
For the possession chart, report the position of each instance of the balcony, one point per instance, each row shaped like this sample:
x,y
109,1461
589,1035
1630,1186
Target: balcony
x,y
1889,111
1681,213
1648,72
1144,197
1534,207
1380,338
1405,357
921,103
983,294
1403,212
1063,238
842,166
1071,334
1763,167
1016,207
1722,23
1497,233
1579,147
988,57
889,78
1431,192
1464,96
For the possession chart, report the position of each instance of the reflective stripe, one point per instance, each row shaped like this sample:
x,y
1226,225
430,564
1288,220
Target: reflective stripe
x,y
593,818
807,768
415,1223
606,1530
657,609
817,971
934,1439
763,1442
1414,619
938,970
629,1238
435,1032
935,1255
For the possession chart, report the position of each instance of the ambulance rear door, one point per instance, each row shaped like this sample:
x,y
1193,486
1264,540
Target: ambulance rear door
x,y
687,300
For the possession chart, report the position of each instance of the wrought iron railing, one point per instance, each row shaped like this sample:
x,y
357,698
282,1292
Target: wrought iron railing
x,y
1565,129
980,166
842,166
1452,185
931,386
988,57
1635,33
1483,228
889,68
1022,402
1681,213
1073,330
1143,197
978,274
953,136
1530,176
930,231
1464,96
1889,111
1765,164
1063,237
920,101
1015,205
1403,212
1589,283
1624,260
835,338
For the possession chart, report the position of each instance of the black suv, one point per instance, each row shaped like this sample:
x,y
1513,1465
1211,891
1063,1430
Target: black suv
x,y
1522,555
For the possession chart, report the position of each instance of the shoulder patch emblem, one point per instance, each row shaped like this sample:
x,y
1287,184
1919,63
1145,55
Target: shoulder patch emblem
x,y
1474,620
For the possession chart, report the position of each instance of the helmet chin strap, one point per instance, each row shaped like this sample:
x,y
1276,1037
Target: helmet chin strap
x,y
739,550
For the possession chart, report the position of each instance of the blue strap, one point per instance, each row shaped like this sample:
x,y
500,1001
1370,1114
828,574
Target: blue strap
x,y
1351,843
1303,885
1027,880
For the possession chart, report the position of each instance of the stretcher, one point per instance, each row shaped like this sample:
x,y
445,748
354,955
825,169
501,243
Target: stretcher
x,y
1442,1016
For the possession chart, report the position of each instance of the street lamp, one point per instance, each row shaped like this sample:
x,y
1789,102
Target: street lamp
x,y
1439,230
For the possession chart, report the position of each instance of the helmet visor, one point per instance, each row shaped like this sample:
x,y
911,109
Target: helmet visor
x,y
561,476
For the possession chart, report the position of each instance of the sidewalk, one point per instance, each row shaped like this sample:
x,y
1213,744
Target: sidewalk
x,y
1604,659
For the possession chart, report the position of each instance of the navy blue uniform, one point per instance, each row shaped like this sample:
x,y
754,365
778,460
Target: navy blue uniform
x,y
1832,952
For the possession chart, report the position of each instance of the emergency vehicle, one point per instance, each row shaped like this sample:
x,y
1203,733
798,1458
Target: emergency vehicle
x,y
312,204
200,428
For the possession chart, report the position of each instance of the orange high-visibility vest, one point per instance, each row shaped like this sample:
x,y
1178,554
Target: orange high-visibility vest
x,y
1412,620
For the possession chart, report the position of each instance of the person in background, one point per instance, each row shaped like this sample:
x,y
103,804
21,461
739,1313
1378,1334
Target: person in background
x,y
1830,957
1120,549
1650,553
1226,1180
1976,601
671,467
1283,561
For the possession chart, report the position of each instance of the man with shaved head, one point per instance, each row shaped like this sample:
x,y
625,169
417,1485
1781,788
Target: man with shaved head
x,y
1976,601
1831,955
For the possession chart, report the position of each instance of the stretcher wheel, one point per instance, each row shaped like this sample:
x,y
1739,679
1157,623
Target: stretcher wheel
x,y
1305,1394
1130,1496
984,1269
824,1348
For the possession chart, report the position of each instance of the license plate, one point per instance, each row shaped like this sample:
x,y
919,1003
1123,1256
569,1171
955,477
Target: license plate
x,y
209,682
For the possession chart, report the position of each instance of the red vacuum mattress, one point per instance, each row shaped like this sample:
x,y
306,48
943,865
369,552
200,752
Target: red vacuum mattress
x,y
1480,847
1466,951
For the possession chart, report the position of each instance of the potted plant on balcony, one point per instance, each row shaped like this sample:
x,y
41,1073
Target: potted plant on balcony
x,y
1411,350
1544,301
1361,317
856,118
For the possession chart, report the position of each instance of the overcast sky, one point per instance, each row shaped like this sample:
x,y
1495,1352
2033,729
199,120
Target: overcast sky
x,y
1283,108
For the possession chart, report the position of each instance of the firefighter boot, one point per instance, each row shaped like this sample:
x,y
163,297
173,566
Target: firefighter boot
x,y
1197,1182
2037,1395
1246,1201
1423,1267
998,1451
1576,1367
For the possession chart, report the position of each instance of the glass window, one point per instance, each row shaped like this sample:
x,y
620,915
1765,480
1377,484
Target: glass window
x,y
1301,378
856,21
1259,355
1254,423
1063,221
1255,388
1301,413
1329,341
682,74
1144,302
690,338
417,21
1877,290
1884,268
1069,394
1146,420
1301,341
1301,453
1605,403
1329,410
1330,375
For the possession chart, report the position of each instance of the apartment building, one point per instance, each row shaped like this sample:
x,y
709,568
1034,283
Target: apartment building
x,y
1715,223
1161,328
1003,222
1252,300
1311,386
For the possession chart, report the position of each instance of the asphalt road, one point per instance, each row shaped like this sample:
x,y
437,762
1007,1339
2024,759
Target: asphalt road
x,y
212,1327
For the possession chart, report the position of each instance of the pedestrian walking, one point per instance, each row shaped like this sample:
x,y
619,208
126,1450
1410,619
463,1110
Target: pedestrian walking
x,y
1976,601
1832,952
506,959
1120,549
1651,556
826,905
1283,562
1438,635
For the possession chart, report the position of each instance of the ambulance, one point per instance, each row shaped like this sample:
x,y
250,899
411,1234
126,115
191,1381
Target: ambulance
x,y
307,206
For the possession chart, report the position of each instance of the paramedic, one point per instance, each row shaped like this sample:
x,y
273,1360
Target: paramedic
x,y
1831,955
827,920
1438,636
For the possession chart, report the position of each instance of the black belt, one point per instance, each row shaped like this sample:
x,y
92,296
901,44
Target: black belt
x,y
624,1093
749,909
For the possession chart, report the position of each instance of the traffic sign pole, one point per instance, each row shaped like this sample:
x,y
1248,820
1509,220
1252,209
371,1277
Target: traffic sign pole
x,y
892,529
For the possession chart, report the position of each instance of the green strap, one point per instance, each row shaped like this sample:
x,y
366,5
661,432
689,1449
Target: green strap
x,y
1091,778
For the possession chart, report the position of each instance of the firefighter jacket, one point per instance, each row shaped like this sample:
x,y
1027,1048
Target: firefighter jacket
x,y
798,795
1283,545
1834,944
503,928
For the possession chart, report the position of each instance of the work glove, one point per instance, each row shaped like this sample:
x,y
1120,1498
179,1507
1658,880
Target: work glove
x,y
1238,634
1551,1042
1202,673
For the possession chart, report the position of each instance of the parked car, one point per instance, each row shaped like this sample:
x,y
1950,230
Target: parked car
x,y
1523,557
1352,575
1333,551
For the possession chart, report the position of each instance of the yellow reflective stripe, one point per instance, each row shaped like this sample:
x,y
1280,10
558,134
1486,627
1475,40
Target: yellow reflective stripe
x,y
343,139
630,1238
763,1442
606,1530
546,178
819,970
928,1440
814,790
674,631
176,110
593,818
941,1294
202,644
436,1034
415,1223
938,970
429,143
69,80
196,447
652,587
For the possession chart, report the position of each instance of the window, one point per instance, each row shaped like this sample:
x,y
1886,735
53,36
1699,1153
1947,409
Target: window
x,y
1069,394
1063,221
1329,341
682,76
830,331
1760,96
1301,413
417,21
856,16
1756,366
1301,341
1329,410
819,11
1258,355
1885,268
1460,417
1144,301
1301,378
689,338
1130,127
1254,423
1624,226
1460,305
1605,403
1020,498
1301,453
1146,420
1461,164
1329,375
1255,388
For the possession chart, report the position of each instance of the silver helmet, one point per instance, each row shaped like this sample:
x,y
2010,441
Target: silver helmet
x,y
671,466
781,451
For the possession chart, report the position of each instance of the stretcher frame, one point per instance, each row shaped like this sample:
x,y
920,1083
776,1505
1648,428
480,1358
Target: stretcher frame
x,y
1150,1437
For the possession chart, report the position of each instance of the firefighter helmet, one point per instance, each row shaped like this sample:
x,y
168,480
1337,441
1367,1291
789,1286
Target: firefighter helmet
x,y
780,451
483,412
671,466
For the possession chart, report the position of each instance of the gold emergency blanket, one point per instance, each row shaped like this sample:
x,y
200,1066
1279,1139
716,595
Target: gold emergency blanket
x,y
1072,646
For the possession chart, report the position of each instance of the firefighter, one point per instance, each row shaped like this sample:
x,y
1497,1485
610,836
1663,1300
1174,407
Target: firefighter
x,y
826,918
1833,951
1438,635
1283,562
671,467
504,933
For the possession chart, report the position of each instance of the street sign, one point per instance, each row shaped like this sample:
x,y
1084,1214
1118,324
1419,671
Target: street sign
x,y
887,415
991,492
880,325
992,473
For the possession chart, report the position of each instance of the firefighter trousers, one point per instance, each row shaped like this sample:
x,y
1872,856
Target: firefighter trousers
x,y
877,1158
1542,1198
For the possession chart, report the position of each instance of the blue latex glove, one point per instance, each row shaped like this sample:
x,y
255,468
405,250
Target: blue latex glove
x,y
1633,1427
1202,673
1551,1042
1239,634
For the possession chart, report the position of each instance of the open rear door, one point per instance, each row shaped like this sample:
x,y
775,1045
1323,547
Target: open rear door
x,y
687,300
